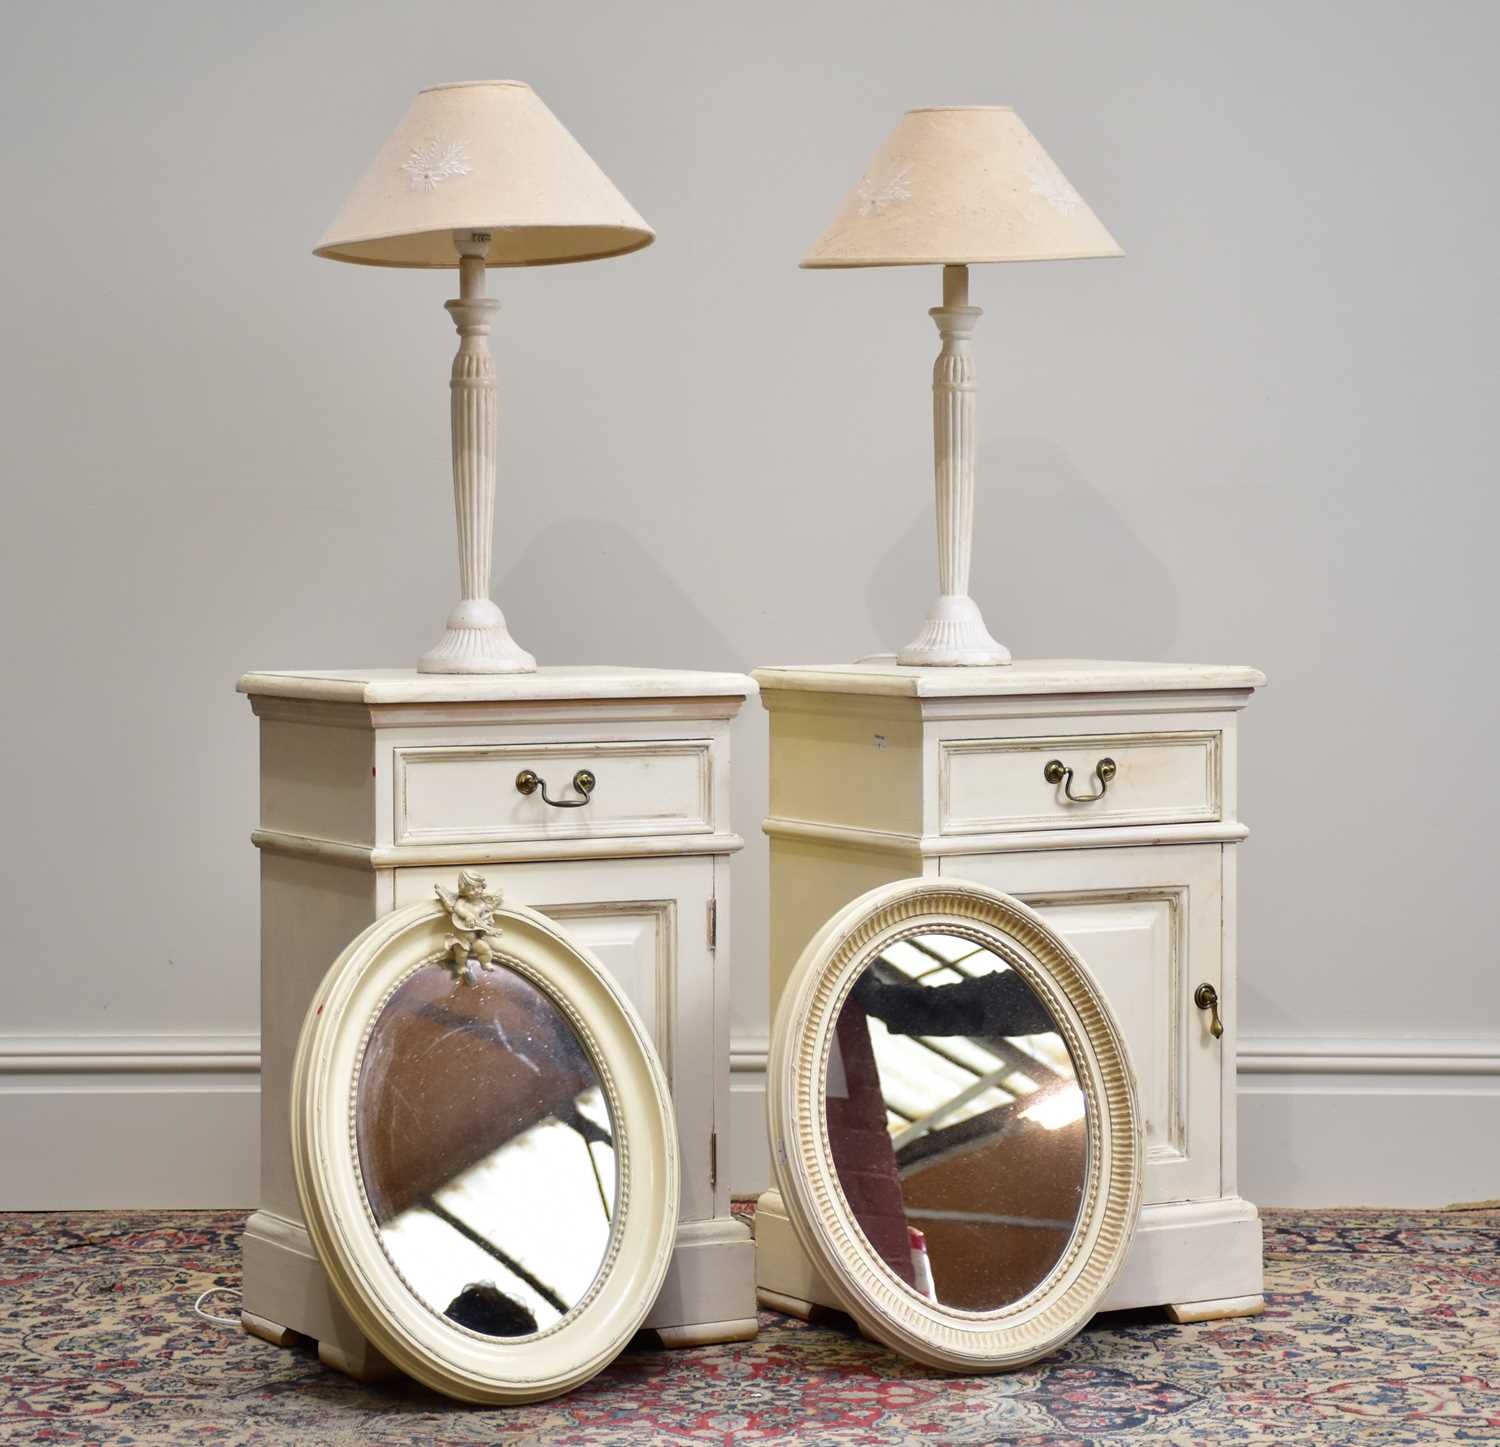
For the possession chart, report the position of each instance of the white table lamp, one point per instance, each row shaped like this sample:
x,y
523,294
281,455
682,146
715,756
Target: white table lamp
x,y
956,185
480,174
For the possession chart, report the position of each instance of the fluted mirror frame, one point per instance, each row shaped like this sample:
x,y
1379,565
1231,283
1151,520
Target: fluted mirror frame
x,y
946,1337
438,1352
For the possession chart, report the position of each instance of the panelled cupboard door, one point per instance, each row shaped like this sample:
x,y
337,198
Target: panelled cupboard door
x,y
647,920
1147,924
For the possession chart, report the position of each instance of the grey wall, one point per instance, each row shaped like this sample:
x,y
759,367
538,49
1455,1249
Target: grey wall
x,y
1267,435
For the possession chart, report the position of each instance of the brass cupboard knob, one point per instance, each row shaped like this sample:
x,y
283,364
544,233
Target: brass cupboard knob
x,y
1205,997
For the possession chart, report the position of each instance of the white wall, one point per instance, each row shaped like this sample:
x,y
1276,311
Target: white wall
x,y
1268,435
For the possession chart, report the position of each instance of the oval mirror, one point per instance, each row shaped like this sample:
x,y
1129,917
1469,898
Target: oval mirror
x,y
485,1149
954,1133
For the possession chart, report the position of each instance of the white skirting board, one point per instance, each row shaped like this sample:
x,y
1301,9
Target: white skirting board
x,y
1366,1122
92,1122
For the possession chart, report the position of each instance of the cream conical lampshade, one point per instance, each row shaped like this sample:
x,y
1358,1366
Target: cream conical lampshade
x,y
957,185
483,156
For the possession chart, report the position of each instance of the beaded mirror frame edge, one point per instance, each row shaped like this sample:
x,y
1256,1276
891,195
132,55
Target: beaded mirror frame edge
x,y
441,1354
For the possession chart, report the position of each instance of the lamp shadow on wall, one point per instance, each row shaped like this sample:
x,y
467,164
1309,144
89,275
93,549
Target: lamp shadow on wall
x,y
1060,570
586,591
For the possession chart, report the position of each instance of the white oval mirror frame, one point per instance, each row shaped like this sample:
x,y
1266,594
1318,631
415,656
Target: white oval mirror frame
x,y
1060,1305
427,1346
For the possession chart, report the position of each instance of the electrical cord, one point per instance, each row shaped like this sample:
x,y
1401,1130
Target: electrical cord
x,y
208,1315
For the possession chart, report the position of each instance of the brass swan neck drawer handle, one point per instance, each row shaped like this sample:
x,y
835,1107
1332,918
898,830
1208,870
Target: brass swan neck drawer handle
x,y
1205,997
528,781
1056,772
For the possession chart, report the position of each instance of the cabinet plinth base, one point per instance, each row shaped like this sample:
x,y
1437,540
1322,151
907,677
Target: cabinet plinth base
x,y
709,1293
708,1296
1199,1259
362,1362
708,1333
788,1305
271,1331
1183,1312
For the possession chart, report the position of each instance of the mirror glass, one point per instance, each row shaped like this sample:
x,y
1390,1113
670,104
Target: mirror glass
x,y
956,1122
486,1148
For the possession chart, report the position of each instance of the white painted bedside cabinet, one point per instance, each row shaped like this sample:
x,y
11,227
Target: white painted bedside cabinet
x,y
377,785
1102,794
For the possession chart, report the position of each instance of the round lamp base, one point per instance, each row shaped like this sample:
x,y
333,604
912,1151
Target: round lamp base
x,y
954,636
476,641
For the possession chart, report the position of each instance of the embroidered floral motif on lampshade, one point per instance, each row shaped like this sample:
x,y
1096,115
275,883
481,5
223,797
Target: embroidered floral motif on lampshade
x,y
483,156
955,185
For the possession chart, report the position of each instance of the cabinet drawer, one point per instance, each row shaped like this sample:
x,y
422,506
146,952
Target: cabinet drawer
x,y
999,785
467,793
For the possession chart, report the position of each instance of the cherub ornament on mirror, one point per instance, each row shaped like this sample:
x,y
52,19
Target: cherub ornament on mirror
x,y
471,917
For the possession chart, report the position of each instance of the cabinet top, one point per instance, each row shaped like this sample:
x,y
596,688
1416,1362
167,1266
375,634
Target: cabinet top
x,y
1025,676
406,685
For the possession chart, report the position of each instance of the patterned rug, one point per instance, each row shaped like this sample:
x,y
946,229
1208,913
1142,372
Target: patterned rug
x,y
1381,1328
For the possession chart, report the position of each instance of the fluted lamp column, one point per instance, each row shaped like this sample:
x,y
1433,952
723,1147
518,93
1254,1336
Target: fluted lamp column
x,y
476,631
480,174
952,187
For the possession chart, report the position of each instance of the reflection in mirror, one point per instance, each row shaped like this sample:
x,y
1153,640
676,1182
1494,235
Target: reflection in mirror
x,y
487,1149
956,1122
